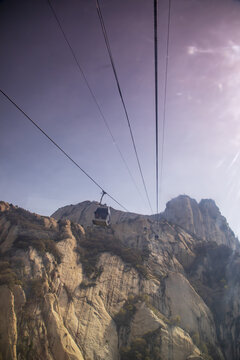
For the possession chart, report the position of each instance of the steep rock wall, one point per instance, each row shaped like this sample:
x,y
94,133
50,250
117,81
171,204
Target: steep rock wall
x,y
90,293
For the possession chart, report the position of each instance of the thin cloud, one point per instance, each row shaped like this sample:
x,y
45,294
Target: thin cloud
x,y
192,50
231,51
234,160
220,163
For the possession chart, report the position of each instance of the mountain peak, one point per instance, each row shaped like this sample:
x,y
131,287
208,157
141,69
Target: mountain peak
x,y
202,219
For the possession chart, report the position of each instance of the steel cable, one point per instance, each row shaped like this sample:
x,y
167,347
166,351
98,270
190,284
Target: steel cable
x,y
121,96
60,148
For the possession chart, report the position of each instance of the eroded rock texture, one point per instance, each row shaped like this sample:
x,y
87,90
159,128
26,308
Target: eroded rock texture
x,y
145,288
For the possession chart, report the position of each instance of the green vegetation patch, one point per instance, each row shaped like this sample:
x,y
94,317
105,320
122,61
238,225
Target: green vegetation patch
x,y
96,243
7,275
35,289
216,256
209,351
146,347
126,313
25,219
42,246
212,286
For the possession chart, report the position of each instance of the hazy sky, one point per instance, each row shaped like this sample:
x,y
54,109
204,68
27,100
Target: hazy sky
x,y
202,135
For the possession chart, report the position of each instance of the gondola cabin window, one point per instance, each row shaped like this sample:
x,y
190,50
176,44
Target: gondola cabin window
x,y
102,216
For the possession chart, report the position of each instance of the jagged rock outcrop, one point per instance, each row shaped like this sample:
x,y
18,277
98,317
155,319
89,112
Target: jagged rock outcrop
x,y
203,220
142,289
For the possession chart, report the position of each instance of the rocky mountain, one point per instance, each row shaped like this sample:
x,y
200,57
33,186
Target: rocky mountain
x,y
83,213
202,220
148,287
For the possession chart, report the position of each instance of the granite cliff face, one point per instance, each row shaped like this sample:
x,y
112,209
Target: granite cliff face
x,y
142,289
203,220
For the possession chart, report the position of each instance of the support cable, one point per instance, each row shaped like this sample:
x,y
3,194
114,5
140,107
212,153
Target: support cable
x,y
121,95
93,96
165,92
59,147
156,90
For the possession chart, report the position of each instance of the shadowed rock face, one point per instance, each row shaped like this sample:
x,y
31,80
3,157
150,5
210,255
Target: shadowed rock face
x,y
203,220
142,289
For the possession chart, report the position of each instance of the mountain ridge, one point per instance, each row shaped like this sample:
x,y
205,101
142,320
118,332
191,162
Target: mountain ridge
x,y
143,289
202,219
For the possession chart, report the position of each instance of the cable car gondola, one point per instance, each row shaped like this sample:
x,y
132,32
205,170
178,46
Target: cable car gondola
x,y
102,215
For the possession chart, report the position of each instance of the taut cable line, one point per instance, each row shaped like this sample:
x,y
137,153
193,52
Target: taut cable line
x,y
121,96
165,94
93,96
156,90
60,148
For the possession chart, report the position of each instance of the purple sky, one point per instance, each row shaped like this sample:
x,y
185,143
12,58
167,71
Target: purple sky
x,y
201,153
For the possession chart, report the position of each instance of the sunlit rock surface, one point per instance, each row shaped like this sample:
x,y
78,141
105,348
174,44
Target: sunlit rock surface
x,y
142,289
